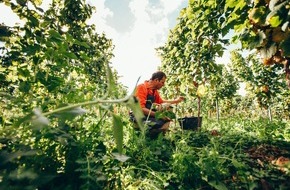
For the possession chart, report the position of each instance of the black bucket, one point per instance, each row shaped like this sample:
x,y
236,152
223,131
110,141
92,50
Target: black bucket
x,y
190,123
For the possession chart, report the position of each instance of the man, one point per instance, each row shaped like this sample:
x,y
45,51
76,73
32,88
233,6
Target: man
x,y
148,96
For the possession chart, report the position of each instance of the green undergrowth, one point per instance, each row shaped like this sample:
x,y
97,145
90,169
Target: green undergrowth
x,y
232,153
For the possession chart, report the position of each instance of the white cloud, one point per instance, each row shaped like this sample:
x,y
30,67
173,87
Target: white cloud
x,y
138,8
8,17
99,18
170,6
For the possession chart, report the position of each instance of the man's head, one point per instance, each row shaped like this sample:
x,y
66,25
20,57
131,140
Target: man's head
x,y
158,79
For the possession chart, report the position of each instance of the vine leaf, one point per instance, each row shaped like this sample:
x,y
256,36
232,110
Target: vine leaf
x,y
6,156
121,157
118,132
38,120
135,107
71,113
268,52
111,82
55,35
166,113
218,185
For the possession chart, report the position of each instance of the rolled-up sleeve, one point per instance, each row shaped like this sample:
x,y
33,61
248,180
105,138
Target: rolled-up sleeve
x,y
141,94
158,98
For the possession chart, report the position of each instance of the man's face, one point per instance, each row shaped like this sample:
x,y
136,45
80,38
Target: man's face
x,y
160,83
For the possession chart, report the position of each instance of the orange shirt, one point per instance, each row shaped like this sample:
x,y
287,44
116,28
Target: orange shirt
x,y
142,91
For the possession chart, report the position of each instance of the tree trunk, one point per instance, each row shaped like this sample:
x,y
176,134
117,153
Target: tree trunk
x,y
217,109
198,114
270,113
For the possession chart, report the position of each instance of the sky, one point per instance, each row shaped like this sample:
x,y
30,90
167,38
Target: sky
x,y
136,28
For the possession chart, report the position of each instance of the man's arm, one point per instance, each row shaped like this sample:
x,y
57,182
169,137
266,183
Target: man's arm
x,y
176,101
147,111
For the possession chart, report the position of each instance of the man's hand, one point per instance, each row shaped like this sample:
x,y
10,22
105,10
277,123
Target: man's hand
x,y
167,118
162,107
180,99
165,106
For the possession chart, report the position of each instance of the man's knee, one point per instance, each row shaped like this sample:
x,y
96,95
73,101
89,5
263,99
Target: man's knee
x,y
165,127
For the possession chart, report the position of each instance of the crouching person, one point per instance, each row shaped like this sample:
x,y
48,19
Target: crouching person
x,y
151,101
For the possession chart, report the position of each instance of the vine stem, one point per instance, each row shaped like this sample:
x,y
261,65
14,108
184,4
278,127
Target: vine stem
x,y
86,104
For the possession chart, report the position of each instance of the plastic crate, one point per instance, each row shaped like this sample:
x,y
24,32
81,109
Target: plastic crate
x,y
190,123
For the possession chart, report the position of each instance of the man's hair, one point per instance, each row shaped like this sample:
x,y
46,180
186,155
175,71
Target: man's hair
x,y
158,75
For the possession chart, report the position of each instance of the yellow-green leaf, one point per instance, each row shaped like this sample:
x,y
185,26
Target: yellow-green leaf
x,y
111,81
201,91
118,132
275,21
38,2
135,107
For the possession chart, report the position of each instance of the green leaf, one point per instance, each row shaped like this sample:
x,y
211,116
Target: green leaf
x,y
237,164
24,86
69,114
56,35
69,38
38,121
257,14
31,49
84,44
240,5
121,157
268,52
231,18
218,185
285,46
166,113
4,31
10,156
189,13
135,107
38,2
2,69
111,82
275,21
51,82
118,132
231,3
69,55
34,21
